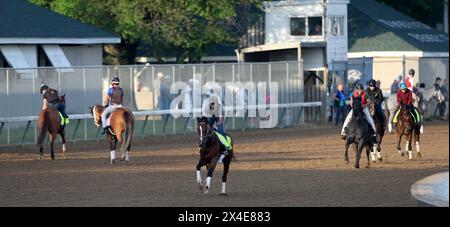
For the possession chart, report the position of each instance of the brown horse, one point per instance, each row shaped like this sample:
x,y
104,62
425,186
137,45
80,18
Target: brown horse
x,y
122,127
379,132
406,127
50,121
210,151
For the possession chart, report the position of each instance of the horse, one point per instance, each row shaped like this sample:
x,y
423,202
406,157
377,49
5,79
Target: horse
x,y
50,121
428,95
358,134
210,150
122,127
406,127
379,132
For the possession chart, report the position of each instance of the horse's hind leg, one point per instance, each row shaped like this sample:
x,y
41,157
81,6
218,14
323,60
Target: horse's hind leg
x,y
358,155
417,139
52,144
112,148
369,150
226,167
63,140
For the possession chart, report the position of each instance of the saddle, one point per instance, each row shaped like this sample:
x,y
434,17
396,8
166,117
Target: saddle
x,y
225,140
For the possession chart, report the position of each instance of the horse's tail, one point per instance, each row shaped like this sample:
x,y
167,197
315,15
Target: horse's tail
x,y
128,120
43,126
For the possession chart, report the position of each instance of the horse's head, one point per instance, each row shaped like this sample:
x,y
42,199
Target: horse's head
x,y
357,108
405,116
204,131
96,112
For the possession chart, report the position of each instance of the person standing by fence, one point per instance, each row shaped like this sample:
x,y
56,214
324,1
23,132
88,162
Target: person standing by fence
x,y
339,99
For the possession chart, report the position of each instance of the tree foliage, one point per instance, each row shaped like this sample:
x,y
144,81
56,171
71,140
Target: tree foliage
x,y
184,27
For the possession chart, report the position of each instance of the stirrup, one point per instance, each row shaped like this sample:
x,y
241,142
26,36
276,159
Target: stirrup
x,y
104,130
222,156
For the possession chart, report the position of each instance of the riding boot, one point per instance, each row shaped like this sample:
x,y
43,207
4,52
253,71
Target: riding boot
x,y
222,156
104,130
344,135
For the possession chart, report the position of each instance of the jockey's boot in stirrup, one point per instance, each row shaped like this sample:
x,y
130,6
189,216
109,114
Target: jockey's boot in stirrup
x,y
344,135
104,130
222,156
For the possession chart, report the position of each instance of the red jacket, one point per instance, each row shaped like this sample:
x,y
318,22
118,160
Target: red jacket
x,y
364,97
404,98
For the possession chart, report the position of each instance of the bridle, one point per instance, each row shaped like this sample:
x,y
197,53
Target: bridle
x,y
204,136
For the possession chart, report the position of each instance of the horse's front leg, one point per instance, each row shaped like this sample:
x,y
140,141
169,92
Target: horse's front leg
x,y
358,154
408,147
199,176
399,148
347,144
211,168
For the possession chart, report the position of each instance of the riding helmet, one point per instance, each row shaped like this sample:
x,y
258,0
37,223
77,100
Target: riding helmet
x,y
43,88
359,86
115,80
412,72
372,83
403,86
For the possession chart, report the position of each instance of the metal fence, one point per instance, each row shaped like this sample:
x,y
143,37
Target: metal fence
x,y
386,70
145,88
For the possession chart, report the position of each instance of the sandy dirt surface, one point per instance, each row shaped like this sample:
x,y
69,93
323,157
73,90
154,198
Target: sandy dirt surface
x,y
301,166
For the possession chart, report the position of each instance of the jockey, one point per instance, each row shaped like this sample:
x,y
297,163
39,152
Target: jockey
x,y
113,100
404,98
359,92
377,97
213,111
51,99
409,80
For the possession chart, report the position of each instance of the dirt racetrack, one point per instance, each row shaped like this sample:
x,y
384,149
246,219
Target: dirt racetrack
x,y
300,166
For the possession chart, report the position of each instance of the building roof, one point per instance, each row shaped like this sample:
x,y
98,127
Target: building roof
x,y
25,23
377,27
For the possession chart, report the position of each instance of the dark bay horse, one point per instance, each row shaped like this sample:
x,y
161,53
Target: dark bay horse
x,y
406,127
379,132
358,134
122,127
210,150
50,121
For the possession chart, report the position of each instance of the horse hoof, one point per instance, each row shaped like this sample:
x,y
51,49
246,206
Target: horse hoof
x,y
356,167
367,166
206,190
419,155
113,162
53,157
380,159
201,187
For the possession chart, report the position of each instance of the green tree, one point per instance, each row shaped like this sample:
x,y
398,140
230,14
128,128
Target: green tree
x,y
183,27
429,12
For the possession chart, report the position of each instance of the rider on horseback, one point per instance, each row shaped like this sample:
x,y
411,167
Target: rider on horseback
x,y
114,100
404,99
409,80
377,97
359,93
51,99
213,111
